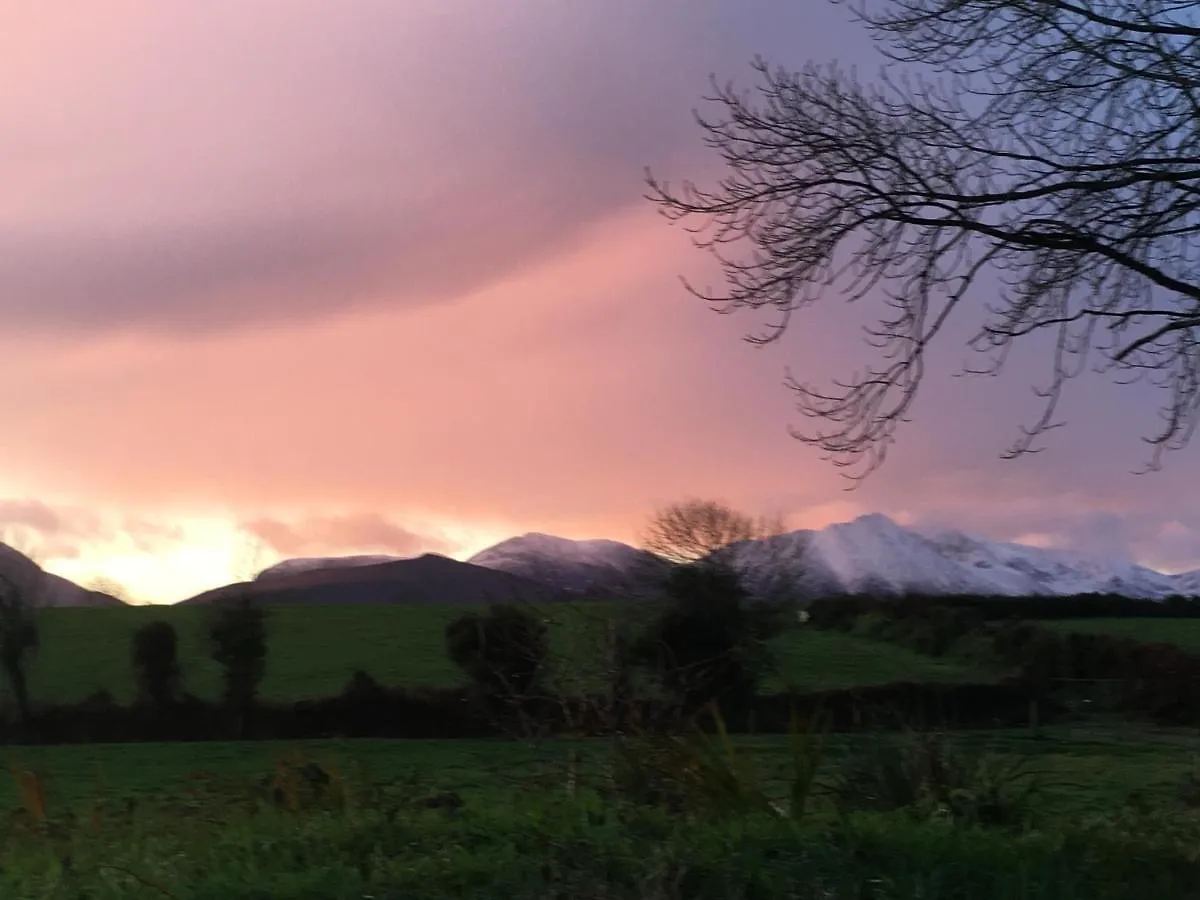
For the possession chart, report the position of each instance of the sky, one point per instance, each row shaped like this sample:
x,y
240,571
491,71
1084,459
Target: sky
x,y
292,277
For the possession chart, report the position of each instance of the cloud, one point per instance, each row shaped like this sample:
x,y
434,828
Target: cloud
x,y
343,535
32,514
38,529
413,243
201,169
66,531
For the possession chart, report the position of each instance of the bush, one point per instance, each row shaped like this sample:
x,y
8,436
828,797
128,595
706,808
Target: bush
x,y
155,661
237,634
709,644
362,688
503,652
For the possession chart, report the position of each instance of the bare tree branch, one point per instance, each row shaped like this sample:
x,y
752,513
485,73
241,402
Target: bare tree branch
x,y
695,530
1056,157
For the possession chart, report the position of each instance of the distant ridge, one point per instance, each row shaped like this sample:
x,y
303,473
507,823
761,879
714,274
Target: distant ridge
x,y
428,579
869,555
45,588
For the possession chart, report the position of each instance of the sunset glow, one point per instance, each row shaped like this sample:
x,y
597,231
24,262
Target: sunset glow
x,y
324,279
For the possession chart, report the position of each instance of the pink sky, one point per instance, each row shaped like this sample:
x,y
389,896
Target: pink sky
x,y
292,277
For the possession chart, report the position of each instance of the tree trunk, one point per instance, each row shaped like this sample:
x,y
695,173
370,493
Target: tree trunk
x,y
20,689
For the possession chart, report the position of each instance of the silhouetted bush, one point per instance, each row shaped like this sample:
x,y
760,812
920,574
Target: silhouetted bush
x,y
362,688
237,634
502,652
155,659
709,643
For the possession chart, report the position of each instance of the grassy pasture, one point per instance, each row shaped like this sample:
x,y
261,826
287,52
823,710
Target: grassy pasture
x,y
1183,633
314,649
539,847
1081,770
183,821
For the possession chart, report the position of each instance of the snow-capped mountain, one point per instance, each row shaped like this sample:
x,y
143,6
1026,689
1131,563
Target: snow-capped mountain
x,y
874,555
588,566
311,564
1021,569
871,555
1188,583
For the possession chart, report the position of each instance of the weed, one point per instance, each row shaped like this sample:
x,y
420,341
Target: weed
x,y
709,773
923,774
31,794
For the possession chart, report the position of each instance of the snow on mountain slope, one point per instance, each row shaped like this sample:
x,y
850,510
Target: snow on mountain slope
x,y
870,555
1187,583
1037,570
873,552
309,564
874,555
600,551
583,566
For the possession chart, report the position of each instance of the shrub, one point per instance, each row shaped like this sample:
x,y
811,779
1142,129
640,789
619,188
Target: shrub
x,y
503,652
363,688
709,644
155,661
237,634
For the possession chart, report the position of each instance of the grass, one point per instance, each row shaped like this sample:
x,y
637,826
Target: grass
x,y
1084,770
150,830
314,650
1183,633
537,850
818,660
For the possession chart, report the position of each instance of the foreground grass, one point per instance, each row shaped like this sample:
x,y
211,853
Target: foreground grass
x,y
1183,633
156,832
314,650
390,852
1082,771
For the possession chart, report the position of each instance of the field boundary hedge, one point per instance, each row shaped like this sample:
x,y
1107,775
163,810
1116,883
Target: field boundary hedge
x,y
458,713
1154,680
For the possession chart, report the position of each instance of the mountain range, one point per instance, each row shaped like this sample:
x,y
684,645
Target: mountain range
x,y
872,555
426,579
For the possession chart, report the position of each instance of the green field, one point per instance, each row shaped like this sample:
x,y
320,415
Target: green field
x,y
314,650
123,822
1184,633
1082,770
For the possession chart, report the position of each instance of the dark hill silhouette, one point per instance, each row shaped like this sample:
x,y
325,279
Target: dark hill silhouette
x,y
428,579
43,588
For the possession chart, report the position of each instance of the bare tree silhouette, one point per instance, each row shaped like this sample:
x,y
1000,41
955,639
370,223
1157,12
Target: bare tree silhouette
x,y
695,530
1058,150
